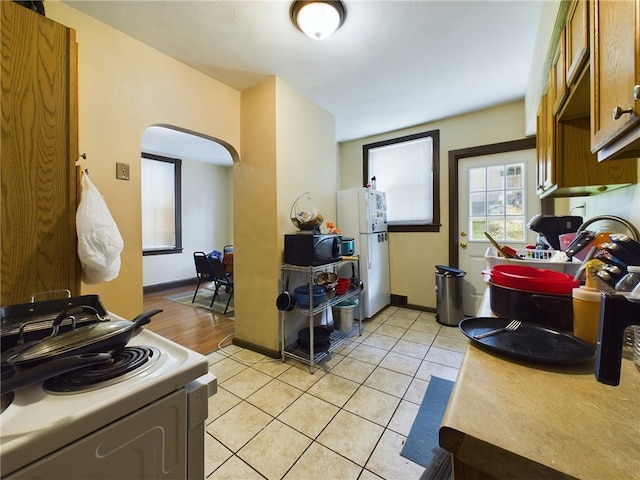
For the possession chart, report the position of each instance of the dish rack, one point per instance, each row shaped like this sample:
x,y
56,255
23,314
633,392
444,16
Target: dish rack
x,y
532,258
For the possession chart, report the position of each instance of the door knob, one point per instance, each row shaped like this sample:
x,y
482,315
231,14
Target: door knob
x,y
463,244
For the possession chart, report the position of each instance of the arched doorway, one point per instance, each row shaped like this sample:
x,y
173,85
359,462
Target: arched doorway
x,y
204,203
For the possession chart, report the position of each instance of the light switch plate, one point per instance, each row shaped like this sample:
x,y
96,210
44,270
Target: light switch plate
x,y
122,171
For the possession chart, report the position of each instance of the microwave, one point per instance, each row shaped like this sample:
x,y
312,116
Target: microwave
x,y
312,249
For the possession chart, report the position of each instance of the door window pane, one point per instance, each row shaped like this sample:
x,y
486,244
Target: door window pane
x,y
496,196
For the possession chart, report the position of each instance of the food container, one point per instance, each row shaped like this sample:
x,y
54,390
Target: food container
x,y
553,311
304,300
538,280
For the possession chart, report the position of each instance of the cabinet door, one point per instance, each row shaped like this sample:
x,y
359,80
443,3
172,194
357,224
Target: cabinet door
x,y
39,150
577,39
545,145
615,68
558,73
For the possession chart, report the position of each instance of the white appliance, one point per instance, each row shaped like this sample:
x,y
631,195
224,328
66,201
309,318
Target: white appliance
x,y
148,423
362,214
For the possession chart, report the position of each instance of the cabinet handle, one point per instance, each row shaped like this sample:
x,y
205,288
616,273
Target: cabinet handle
x,y
618,112
636,92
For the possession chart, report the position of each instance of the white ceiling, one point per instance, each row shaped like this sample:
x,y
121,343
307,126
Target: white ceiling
x,y
392,65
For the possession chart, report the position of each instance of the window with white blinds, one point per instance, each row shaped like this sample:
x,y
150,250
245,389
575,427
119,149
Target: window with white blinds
x,y
406,169
161,216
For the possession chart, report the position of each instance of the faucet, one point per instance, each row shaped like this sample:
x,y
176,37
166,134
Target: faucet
x,y
630,226
617,312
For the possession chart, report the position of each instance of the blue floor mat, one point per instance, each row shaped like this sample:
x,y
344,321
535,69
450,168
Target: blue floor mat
x,y
422,441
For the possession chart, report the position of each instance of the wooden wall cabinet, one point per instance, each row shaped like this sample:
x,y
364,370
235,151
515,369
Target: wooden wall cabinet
x,y
615,78
39,149
566,165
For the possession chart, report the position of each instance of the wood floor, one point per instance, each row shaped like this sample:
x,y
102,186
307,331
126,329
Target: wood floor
x,y
193,328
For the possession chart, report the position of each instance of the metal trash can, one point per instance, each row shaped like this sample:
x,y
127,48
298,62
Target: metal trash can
x,y
449,295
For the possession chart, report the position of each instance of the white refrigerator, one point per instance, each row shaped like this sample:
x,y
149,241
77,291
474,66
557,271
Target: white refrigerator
x,y
362,215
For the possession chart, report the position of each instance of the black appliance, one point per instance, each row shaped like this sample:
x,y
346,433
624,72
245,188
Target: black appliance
x,y
550,227
310,249
617,312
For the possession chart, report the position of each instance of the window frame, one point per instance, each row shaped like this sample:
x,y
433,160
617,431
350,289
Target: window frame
x,y
177,164
435,224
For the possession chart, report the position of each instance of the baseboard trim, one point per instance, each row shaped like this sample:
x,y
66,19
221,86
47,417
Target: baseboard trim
x,y
158,287
257,348
402,301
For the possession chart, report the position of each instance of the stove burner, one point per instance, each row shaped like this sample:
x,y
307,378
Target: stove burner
x,y
126,363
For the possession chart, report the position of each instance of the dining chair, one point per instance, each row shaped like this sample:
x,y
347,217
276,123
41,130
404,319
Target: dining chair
x,y
205,272
221,278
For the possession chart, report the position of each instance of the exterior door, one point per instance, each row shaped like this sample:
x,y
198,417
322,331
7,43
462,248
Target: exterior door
x,y
496,195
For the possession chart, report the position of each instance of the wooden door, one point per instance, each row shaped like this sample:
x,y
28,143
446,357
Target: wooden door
x,y
39,150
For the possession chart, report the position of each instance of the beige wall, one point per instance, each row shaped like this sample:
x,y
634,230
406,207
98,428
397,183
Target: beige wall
x,y
288,146
412,256
124,87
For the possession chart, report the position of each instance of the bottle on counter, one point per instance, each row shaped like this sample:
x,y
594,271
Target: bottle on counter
x,y
627,283
586,312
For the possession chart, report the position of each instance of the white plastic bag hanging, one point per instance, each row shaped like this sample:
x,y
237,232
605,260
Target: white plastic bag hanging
x,y
99,240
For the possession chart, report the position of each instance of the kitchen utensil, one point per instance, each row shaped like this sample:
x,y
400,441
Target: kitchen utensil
x,y
582,241
626,242
25,377
511,327
98,337
531,342
326,279
355,281
26,322
306,297
499,248
342,286
321,338
286,301
554,311
628,257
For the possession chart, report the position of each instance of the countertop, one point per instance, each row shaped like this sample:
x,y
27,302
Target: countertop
x,y
512,419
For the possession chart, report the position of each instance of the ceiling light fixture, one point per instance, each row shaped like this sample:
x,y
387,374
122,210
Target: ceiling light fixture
x,y
318,18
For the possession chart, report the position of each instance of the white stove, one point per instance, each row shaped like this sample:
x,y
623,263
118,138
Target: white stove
x,y
150,424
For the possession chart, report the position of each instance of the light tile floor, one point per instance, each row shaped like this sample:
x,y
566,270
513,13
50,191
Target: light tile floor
x,y
348,420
